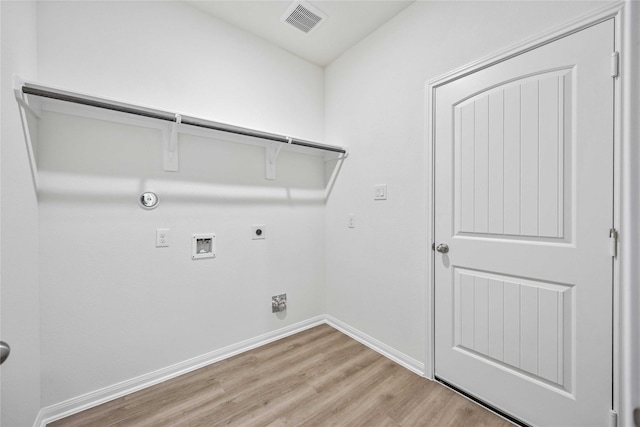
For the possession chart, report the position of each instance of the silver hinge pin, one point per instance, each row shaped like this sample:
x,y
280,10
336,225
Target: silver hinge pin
x,y
613,418
615,64
613,239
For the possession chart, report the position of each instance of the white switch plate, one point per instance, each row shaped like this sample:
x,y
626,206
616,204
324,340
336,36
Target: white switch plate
x,y
380,192
352,221
162,237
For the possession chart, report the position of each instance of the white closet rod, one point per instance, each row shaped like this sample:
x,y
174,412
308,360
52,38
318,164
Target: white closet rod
x,y
61,95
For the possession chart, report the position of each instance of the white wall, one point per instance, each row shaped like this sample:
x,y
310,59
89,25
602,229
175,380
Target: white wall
x,y
19,299
113,305
375,103
171,56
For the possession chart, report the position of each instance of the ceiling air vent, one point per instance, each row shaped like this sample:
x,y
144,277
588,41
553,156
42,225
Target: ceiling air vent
x,y
304,16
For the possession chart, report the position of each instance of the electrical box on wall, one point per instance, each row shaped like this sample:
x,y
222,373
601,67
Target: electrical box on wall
x,y
162,237
380,192
258,232
203,246
278,303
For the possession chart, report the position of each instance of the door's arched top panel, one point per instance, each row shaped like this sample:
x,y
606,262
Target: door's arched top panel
x,y
512,158
512,83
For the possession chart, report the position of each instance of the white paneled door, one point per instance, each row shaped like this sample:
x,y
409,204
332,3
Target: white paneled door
x,y
524,202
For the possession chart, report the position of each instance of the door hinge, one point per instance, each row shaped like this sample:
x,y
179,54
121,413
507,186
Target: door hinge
x,y
615,64
613,418
613,241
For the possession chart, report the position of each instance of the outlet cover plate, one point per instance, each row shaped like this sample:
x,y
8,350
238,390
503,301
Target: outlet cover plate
x,y
258,232
162,237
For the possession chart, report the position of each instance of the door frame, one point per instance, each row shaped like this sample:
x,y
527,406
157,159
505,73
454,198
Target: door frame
x,y
623,402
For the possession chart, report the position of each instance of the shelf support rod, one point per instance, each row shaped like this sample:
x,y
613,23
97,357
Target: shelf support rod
x,y
93,101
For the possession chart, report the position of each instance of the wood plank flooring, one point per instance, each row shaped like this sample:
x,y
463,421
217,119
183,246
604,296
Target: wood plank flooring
x,y
319,377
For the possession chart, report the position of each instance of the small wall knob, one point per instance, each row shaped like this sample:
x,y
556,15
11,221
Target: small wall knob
x,y
4,351
442,248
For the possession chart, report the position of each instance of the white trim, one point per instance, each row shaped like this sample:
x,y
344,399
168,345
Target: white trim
x,y
617,216
628,318
430,355
89,400
612,10
378,346
40,421
106,394
594,17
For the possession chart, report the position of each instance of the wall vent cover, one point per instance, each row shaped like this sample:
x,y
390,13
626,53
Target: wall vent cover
x,y
304,16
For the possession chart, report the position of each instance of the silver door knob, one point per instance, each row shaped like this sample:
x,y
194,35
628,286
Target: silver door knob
x,y
4,351
442,248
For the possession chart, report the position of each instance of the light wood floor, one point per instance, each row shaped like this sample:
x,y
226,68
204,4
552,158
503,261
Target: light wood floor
x,y
319,377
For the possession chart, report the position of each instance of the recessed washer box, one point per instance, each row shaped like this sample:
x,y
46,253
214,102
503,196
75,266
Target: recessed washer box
x,y
203,246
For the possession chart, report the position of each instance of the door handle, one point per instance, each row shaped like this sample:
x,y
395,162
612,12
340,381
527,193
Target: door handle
x,y
4,351
442,248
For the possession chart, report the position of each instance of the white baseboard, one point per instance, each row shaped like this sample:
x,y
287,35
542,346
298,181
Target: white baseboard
x,y
385,350
98,397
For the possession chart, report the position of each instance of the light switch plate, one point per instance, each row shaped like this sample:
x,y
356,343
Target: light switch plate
x,y
380,192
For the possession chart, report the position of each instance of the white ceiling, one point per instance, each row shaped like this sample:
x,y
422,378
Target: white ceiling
x,y
348,22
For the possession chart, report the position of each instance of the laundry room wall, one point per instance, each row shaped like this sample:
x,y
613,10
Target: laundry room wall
x,y
19,291
375,102
113,306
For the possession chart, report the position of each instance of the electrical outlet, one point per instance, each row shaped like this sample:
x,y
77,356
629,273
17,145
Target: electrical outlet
x,y
278,303
352,221
162,237
258,232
